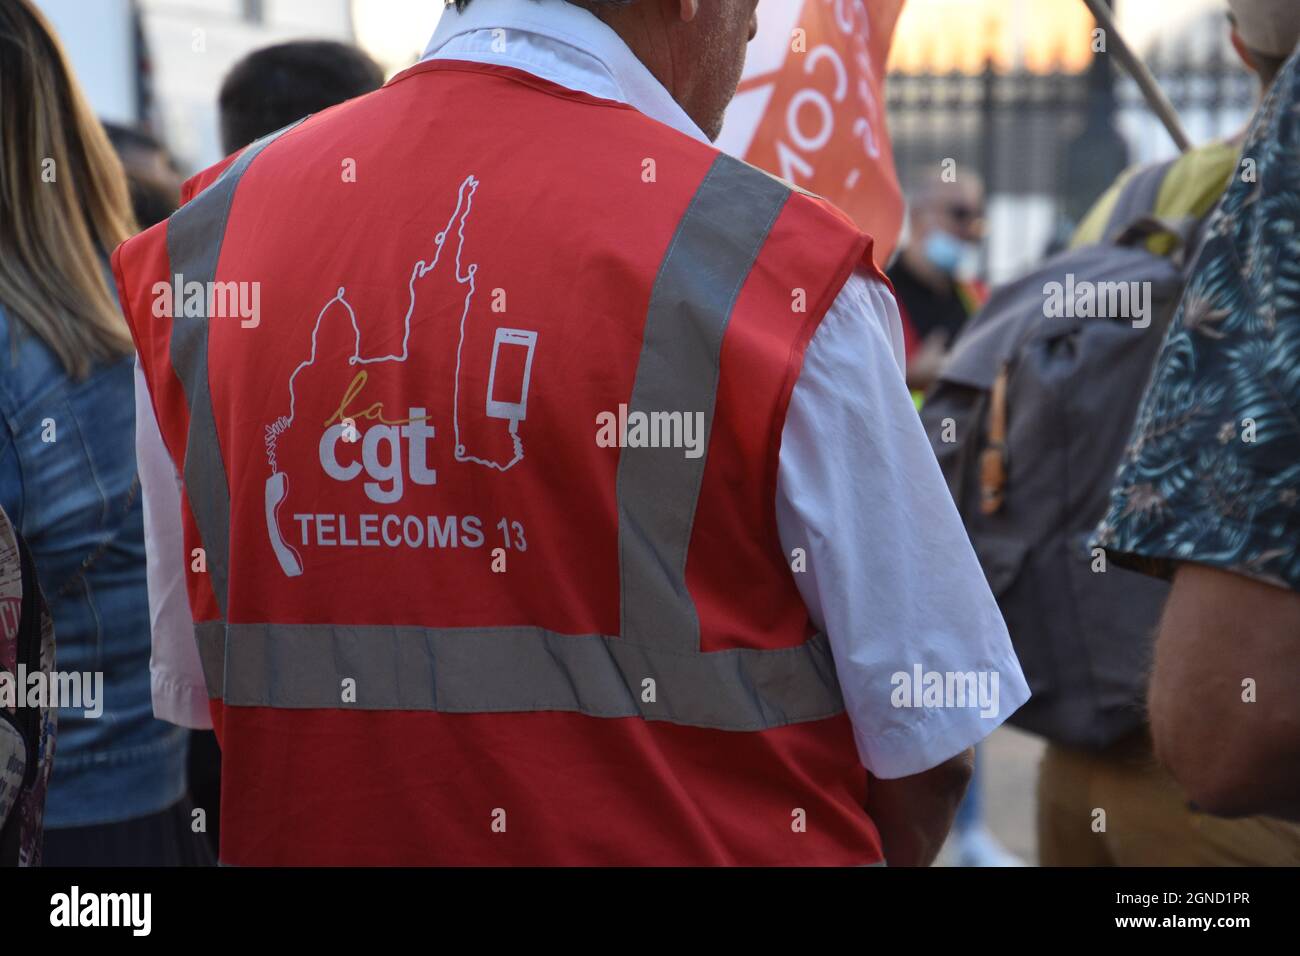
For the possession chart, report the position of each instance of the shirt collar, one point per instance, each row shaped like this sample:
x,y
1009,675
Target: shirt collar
x,y
578,51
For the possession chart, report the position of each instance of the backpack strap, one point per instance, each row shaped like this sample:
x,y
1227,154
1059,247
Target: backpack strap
x,y
1133,220
1184,231
1137,198
993,459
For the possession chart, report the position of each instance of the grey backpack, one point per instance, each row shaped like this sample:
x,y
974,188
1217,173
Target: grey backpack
x,y
1029,419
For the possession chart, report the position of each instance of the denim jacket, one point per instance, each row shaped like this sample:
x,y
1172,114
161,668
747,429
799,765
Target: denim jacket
x,y
68,482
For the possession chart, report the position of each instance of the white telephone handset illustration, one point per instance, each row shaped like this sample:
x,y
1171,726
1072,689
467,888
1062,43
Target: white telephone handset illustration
x,y
515,406
277,486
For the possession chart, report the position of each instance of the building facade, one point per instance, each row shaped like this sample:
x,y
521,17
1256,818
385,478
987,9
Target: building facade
x,y
160,63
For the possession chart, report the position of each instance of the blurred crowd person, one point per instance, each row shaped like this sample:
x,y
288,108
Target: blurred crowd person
x,y
276,85
935,274
1049,401
1198,375
152,176
67,471
1209,492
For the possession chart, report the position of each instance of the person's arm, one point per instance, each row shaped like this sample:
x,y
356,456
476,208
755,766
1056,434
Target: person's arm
x,y
890,574
925,364
914,814
1225,692
179,692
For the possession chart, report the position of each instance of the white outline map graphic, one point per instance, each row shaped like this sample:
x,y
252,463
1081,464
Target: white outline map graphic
x,y
464,275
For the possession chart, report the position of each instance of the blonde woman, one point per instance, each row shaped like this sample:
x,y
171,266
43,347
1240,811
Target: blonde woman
x,y
67,460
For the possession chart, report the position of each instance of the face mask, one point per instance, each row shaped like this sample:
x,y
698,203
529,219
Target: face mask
x,y
945,251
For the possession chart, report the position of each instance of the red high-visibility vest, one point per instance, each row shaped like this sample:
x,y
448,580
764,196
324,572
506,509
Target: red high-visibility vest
x,y
477,385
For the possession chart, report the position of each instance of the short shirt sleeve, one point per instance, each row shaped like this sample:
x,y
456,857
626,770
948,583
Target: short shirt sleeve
x,y
1212,471
891,576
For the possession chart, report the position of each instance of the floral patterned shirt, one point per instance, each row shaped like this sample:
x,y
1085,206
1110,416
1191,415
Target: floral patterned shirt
x,y
1212,471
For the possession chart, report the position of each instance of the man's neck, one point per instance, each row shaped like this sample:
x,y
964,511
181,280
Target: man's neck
x,y
640,26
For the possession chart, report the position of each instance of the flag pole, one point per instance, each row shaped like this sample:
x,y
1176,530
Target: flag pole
x,y
1146,82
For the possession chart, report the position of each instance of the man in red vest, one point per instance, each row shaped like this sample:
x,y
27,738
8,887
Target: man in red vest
x,y
551,491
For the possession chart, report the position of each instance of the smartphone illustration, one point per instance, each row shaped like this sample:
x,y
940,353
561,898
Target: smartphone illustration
x,y
512,368
277,487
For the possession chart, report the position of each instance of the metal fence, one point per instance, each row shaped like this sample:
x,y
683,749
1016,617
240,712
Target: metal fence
x,y
1047,144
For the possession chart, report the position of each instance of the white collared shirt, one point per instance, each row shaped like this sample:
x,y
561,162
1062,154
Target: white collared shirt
x,y
890,574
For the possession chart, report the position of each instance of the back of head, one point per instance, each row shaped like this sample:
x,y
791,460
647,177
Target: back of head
x,y
126,139
150,172
953,208
695,48
1269,30
63,199
273,87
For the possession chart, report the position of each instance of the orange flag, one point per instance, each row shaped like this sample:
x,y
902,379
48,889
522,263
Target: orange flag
x,y
811,107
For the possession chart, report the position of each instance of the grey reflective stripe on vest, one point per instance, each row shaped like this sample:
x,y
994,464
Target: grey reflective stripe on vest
x,y
484,670
194,234
514,669
707,263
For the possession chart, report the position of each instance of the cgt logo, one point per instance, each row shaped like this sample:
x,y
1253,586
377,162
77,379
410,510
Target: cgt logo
x,y
381,455
394,449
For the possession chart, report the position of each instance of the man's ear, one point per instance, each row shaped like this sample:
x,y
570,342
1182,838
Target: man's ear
x,y
688,10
